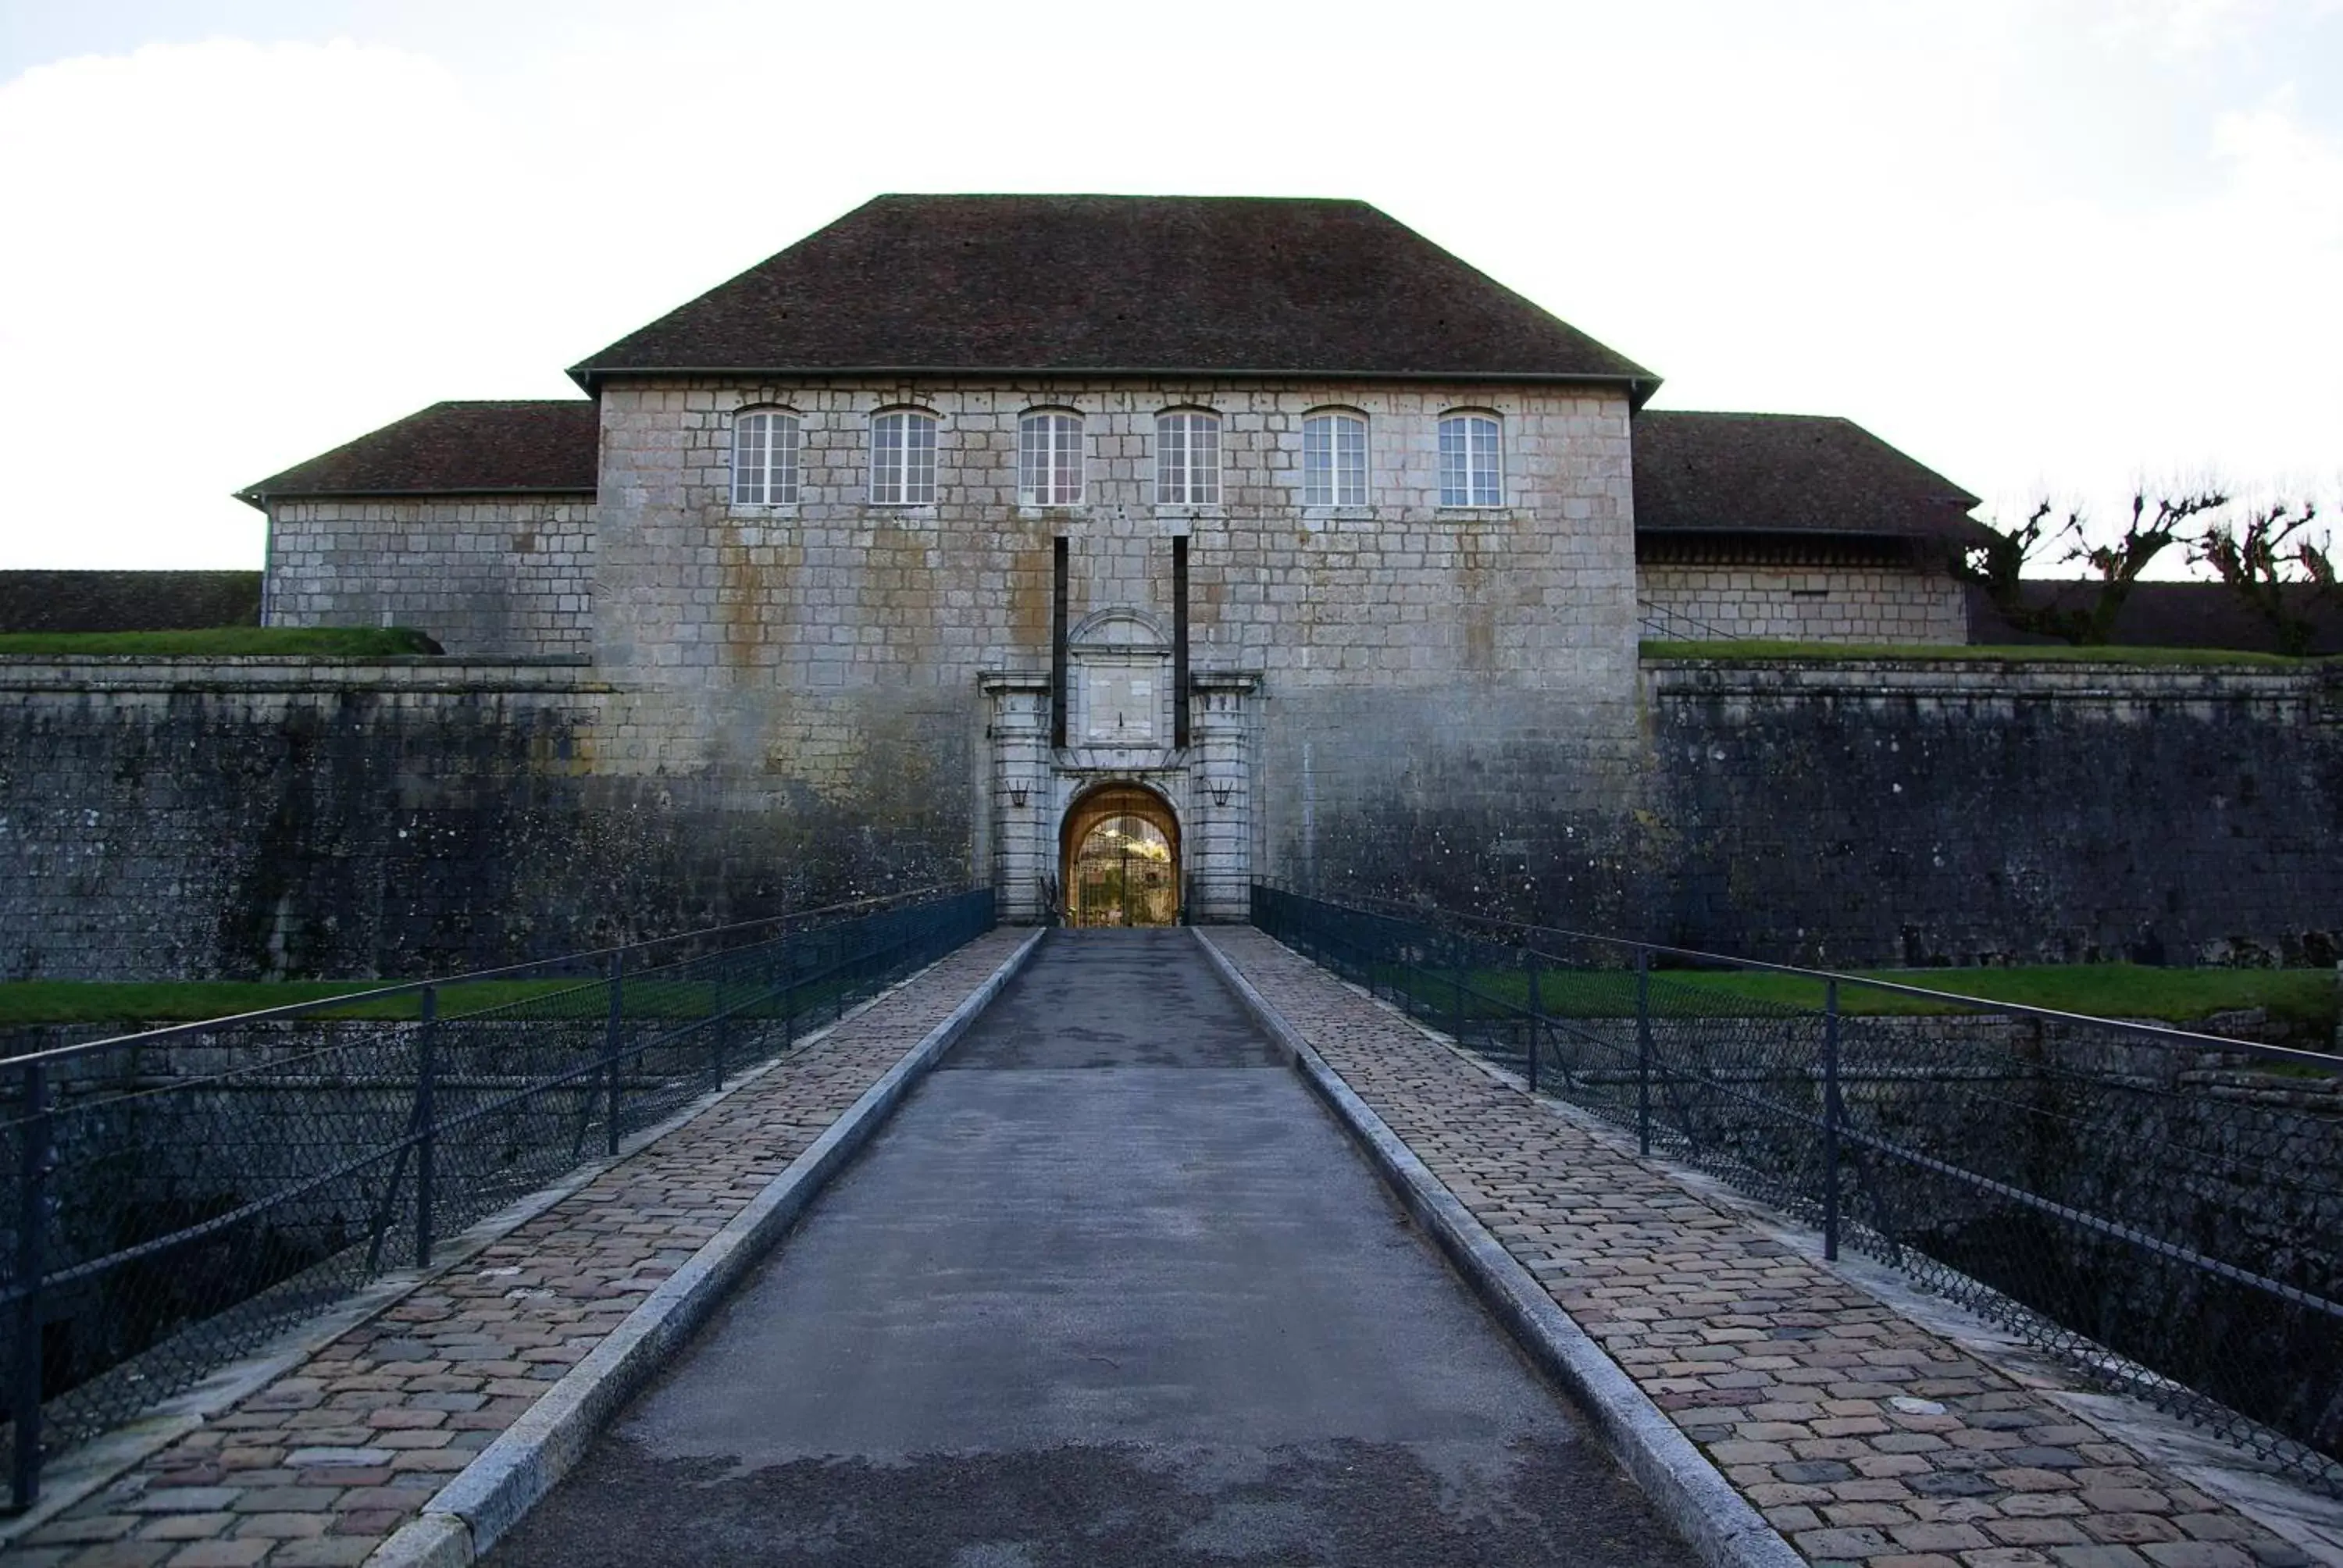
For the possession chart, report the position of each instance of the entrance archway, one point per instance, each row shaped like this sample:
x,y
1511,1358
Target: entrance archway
x,y
1119,854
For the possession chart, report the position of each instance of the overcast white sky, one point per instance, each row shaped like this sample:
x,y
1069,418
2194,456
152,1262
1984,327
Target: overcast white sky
x,y
2047,248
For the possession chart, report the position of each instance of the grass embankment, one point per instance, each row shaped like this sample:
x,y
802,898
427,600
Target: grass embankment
x,y
225,642
152,1004
2305,997
2027,653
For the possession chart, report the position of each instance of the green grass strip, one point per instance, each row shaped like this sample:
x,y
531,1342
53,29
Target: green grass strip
x,y
133,1005
2299,996
225,642
2050,653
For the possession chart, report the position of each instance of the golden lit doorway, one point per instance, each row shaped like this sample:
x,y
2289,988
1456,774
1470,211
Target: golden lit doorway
x,y
1122,858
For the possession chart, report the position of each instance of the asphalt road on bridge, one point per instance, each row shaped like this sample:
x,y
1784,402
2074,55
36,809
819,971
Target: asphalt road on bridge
x,y
1110,1289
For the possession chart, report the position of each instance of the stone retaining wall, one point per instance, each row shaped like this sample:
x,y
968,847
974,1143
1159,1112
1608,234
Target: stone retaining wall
x,y
1859,812
259,816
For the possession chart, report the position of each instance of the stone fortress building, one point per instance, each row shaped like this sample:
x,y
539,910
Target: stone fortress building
x,y
1264,534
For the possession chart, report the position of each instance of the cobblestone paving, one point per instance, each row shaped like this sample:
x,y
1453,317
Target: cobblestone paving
x,y
315,1469
1861,1436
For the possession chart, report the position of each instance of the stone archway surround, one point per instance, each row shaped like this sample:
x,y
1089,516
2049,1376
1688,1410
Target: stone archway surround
x,y
1031,784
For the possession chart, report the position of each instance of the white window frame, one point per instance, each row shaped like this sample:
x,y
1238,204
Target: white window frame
x,y
1471,459
903,457
1187,457
1052,452
1334,458
766,448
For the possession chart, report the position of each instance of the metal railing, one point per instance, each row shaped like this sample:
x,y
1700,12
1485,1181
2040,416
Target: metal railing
x,y
180,1196
2161,1209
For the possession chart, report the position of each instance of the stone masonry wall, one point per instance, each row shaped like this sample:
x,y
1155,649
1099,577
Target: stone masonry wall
x,y
262,817
1862,812
252,818
825,657
1691,601
486,575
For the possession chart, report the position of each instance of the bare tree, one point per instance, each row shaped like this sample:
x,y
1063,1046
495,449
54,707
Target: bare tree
x,y
2274,566
2084,611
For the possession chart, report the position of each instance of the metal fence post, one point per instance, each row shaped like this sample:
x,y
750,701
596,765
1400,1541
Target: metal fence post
x,y
611,1037
1643,1052
32,1225
1830,1120
717,1028
1537,1021
426,1123
1455,989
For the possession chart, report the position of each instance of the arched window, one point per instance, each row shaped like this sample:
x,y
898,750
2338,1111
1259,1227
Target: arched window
x,y
1471,461
1188,458
1050,458
903,459
764,457
1335,459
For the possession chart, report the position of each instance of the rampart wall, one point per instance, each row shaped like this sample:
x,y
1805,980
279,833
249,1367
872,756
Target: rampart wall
x,y
257,816
1981,811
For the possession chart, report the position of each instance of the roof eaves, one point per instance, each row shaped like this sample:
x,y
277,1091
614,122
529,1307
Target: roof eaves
x,y
259,498
1959,529
1639,388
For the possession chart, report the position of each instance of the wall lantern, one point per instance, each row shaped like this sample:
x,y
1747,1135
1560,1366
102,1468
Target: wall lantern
x,y
1017,796
1221,790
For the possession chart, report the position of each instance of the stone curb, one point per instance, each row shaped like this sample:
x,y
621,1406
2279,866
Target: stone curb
x,y
1690,1493
490,1495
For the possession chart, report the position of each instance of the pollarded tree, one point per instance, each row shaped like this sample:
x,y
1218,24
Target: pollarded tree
x,y
2085,610
2274,566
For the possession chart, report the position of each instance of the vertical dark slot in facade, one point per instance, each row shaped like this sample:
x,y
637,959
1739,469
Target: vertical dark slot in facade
x,y
1058,648
1179,641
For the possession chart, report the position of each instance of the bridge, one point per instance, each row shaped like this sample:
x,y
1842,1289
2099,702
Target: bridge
x,y
888,1235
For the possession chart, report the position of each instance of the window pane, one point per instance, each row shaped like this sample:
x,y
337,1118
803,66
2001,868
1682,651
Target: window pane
x,y
1069,459
919,460
1318,461
749,459
1470,469
1204,461
1351,465
1049,459
1171,460
782,461
887,459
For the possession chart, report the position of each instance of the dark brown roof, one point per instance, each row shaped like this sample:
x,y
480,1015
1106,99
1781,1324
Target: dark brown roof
x,y
1094,283
2167,615
455,449
1788,474
127,601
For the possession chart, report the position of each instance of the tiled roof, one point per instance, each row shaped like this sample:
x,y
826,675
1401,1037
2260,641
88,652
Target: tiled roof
x,y
127,601
457,448
1786,474
1073,284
